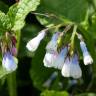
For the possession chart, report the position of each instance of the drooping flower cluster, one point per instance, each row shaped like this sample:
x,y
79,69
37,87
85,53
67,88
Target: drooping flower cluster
x,y
61,59
9,51
69,65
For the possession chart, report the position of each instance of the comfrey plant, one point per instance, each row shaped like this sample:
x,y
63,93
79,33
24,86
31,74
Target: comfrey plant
x,y
9,52
60,55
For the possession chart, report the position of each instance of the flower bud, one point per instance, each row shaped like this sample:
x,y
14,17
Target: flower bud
x,y
14,51
33,44
86,56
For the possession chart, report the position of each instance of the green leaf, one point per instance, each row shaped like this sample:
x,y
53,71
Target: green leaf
x,y
49,21
5,24
12,13
63,10
19,11
54,93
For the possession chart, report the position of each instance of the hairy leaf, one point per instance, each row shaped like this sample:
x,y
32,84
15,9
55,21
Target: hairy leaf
x,y
19,11
63,10
5,24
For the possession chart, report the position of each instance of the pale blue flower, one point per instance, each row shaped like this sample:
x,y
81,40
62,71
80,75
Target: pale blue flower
x,y
66,68
86,56
59,62
55,59
52,45
49,59
71,67
75,69
8,62
33,44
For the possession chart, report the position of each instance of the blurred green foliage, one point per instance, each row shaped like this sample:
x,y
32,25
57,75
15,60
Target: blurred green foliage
x,y
54,93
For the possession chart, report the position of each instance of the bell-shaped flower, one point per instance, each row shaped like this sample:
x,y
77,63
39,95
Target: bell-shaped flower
x,y
9,63
59,62
52,45
66,68
49,59
33,44
86,56
75,69
71,67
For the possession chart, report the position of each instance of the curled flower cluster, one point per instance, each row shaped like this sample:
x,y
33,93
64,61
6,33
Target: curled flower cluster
x,y
9,52
62,59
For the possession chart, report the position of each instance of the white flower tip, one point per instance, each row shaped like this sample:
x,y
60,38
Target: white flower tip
x,y
66,68
88,60
65,73
28,47
46,64
86,56
33,44
77,75
47,60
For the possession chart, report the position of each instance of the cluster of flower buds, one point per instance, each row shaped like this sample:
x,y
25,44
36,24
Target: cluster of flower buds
x,y
9,52
61,59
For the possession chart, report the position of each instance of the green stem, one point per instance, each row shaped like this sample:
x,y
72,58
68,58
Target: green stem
x,y
72,40
11,81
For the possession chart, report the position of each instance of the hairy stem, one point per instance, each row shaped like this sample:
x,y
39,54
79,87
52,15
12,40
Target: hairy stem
x,y
11,81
